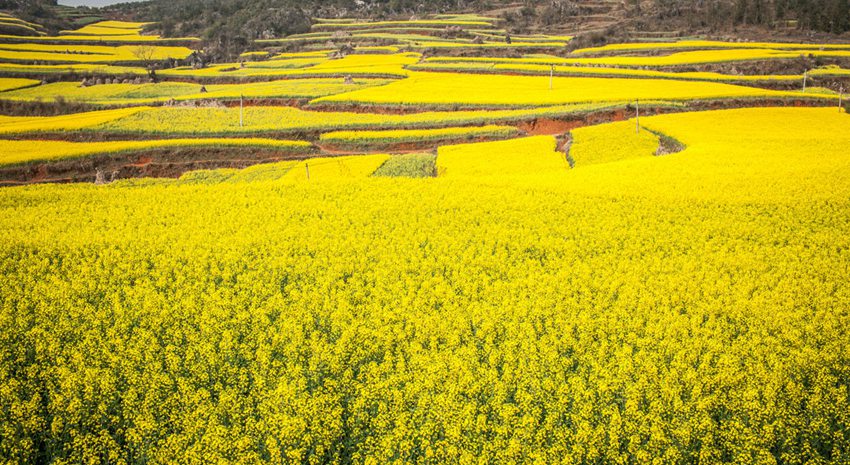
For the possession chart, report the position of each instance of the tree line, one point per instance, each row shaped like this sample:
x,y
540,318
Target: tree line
x,y
831,16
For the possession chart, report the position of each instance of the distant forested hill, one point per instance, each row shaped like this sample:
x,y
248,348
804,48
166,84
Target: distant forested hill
x,y
39,11
252,19
229,26
816,15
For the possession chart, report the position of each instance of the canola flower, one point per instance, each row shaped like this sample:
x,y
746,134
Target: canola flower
x,y
145,94
16,29
320,169
688,308
402,35
18,26
489,45
96,33
759,154
108,32
106,28
257,173
419,35
438,23
453,90
76,68
7,84
256,53
271,120
518,157
706,45
9,19
276,64
537,66
324,169
707,56
75,53
62,123
124,40
611,142
13,152
353,65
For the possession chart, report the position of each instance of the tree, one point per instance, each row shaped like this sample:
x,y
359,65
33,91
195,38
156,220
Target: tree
x,y
145,54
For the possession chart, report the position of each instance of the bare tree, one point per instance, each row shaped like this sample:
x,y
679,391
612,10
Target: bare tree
x,y
146,53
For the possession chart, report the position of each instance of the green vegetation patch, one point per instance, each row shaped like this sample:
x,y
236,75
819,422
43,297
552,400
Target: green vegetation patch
x,y
409,165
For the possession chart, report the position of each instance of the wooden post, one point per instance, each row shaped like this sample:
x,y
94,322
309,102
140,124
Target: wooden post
x,y
241,110
637,116
805,78
551,75
307,167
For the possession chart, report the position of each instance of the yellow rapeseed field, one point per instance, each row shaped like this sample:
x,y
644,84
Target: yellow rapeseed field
x,y
334,168
7,84
672,291
391,65
271,119
107,28
257,173
72,122
538,66
751,154
685,308
75,68
518,157
707,56
16,26
707,45
611,142
73,53
452,90
145,94
438,23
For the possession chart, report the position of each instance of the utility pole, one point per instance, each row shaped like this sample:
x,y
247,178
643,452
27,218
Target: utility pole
x,y
551,75
840,99
241,110
637,116
307,167
805,78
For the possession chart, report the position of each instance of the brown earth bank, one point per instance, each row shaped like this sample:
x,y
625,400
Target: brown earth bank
x,y
153,163
44,108
66,107
96,135
77,76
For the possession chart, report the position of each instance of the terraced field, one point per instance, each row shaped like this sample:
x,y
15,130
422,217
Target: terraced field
x,y
441,90
365,87
26,151
149,93
422,241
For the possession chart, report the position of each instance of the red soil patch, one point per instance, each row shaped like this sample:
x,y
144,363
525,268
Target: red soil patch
x,y
546,126
142,162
